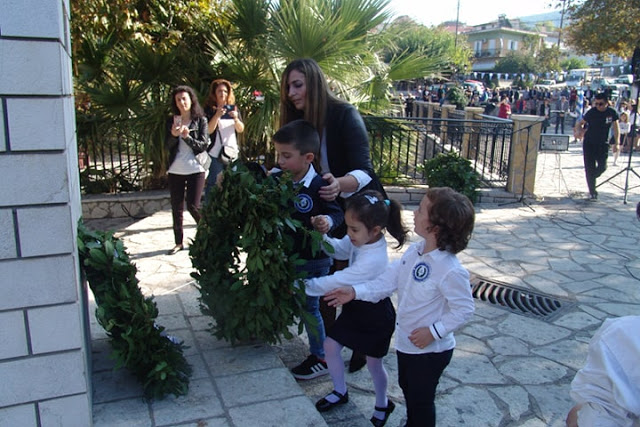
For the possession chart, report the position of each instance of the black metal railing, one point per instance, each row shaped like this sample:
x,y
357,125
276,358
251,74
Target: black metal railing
x,y
400,146
110,160
114,161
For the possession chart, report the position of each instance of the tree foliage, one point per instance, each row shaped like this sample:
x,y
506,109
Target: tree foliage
x,y
128,55
546,59
573,63
126,58
604,27
516,62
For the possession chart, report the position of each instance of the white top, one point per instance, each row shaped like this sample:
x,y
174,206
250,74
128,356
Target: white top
x,y
624,127
610,380
185,162
433,291
227,132
365,263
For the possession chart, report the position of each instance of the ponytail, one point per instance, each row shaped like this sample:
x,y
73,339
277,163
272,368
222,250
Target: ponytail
x,y
395,226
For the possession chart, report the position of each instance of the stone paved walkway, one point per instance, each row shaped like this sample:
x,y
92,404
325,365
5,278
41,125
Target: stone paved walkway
x,y
508,369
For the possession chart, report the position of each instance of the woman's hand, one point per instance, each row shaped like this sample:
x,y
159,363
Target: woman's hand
x,y
340,296
332,191
184,131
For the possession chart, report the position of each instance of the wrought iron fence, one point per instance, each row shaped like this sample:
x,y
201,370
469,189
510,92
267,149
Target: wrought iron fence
x,y
110,160
400,146
115,161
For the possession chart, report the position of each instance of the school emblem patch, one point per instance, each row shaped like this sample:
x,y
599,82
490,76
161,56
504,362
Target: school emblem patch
x,y
421,272
303,203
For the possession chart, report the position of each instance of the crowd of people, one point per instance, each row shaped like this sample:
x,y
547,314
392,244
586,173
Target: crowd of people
x,y
322,143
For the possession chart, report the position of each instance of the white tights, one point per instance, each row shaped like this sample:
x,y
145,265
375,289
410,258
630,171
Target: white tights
x,y
333,357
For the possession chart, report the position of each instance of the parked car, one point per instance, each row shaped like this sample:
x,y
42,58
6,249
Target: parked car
x,y
599,83
626,79
474,85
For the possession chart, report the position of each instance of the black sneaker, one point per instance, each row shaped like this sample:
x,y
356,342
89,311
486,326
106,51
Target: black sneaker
x,y
312,367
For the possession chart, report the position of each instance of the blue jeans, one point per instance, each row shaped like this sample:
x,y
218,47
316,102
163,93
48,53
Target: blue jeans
x,y
215,168
316,333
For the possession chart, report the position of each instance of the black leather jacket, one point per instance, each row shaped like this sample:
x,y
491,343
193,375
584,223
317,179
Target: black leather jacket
x,y
198,138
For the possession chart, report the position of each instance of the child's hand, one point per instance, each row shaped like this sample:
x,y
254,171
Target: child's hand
x,y
320,223
340,296
421,337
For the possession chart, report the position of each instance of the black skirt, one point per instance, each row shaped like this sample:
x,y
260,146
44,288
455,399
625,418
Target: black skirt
x,y
365,327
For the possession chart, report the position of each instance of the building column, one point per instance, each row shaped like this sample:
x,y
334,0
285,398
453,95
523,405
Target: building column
x,y
524,153
44,350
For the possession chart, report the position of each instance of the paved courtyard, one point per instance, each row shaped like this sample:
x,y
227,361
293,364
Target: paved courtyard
x,y
509,369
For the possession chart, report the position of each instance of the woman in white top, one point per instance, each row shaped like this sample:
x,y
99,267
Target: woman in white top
x,y
224,122
187,136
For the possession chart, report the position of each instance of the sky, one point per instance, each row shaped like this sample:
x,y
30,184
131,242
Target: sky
x,y
472,12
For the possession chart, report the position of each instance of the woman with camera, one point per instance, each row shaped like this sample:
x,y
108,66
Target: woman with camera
x,y
187,137
224,123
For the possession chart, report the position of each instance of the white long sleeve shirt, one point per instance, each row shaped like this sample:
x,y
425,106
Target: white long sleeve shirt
x,y
365,263
433,291
609,383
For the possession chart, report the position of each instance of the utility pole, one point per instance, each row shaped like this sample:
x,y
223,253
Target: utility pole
x,y
455,40
564,8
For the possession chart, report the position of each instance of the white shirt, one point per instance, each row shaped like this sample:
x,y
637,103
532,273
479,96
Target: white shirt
x,y
365,263
227,130
185,162
609,383
625,128
433,291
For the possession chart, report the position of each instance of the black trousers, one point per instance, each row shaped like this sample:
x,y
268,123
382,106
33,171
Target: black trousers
x,y
418,376
560,123
595,162
194,185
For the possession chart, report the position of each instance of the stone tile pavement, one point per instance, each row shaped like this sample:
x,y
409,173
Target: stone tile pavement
x,y
508,369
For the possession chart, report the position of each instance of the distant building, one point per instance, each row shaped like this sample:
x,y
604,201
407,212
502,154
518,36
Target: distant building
x,y
494,40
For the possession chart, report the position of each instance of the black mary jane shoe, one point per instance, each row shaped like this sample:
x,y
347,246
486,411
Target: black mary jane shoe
x,y
377,422
323,405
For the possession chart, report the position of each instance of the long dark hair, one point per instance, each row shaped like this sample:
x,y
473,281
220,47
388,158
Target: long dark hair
x,y
196,109
319,96
372,209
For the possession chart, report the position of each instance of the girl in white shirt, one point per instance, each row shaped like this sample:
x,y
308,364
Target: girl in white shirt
x,y
434,298
625,128
362,326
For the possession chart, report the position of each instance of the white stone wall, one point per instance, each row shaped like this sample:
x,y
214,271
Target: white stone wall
x,y
44,352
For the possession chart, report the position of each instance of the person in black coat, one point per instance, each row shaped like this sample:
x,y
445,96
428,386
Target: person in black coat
x,y
345,158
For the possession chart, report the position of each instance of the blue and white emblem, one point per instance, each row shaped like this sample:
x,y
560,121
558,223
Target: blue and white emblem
x,y
303,203
421,272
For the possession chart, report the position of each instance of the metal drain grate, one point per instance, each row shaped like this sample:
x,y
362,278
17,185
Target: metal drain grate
x,y
518,300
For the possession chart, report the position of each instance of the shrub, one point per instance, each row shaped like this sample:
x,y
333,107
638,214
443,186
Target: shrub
x,y
451,170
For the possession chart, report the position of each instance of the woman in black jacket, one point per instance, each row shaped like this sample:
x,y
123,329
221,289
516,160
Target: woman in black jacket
x,y
187,136
345,159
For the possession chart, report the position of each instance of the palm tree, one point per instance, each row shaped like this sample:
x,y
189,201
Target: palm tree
x,y
255,39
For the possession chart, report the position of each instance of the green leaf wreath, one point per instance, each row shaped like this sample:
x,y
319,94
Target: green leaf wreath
x,y
242,257
129,318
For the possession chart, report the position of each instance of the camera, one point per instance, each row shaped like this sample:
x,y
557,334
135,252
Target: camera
x,y
228,108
